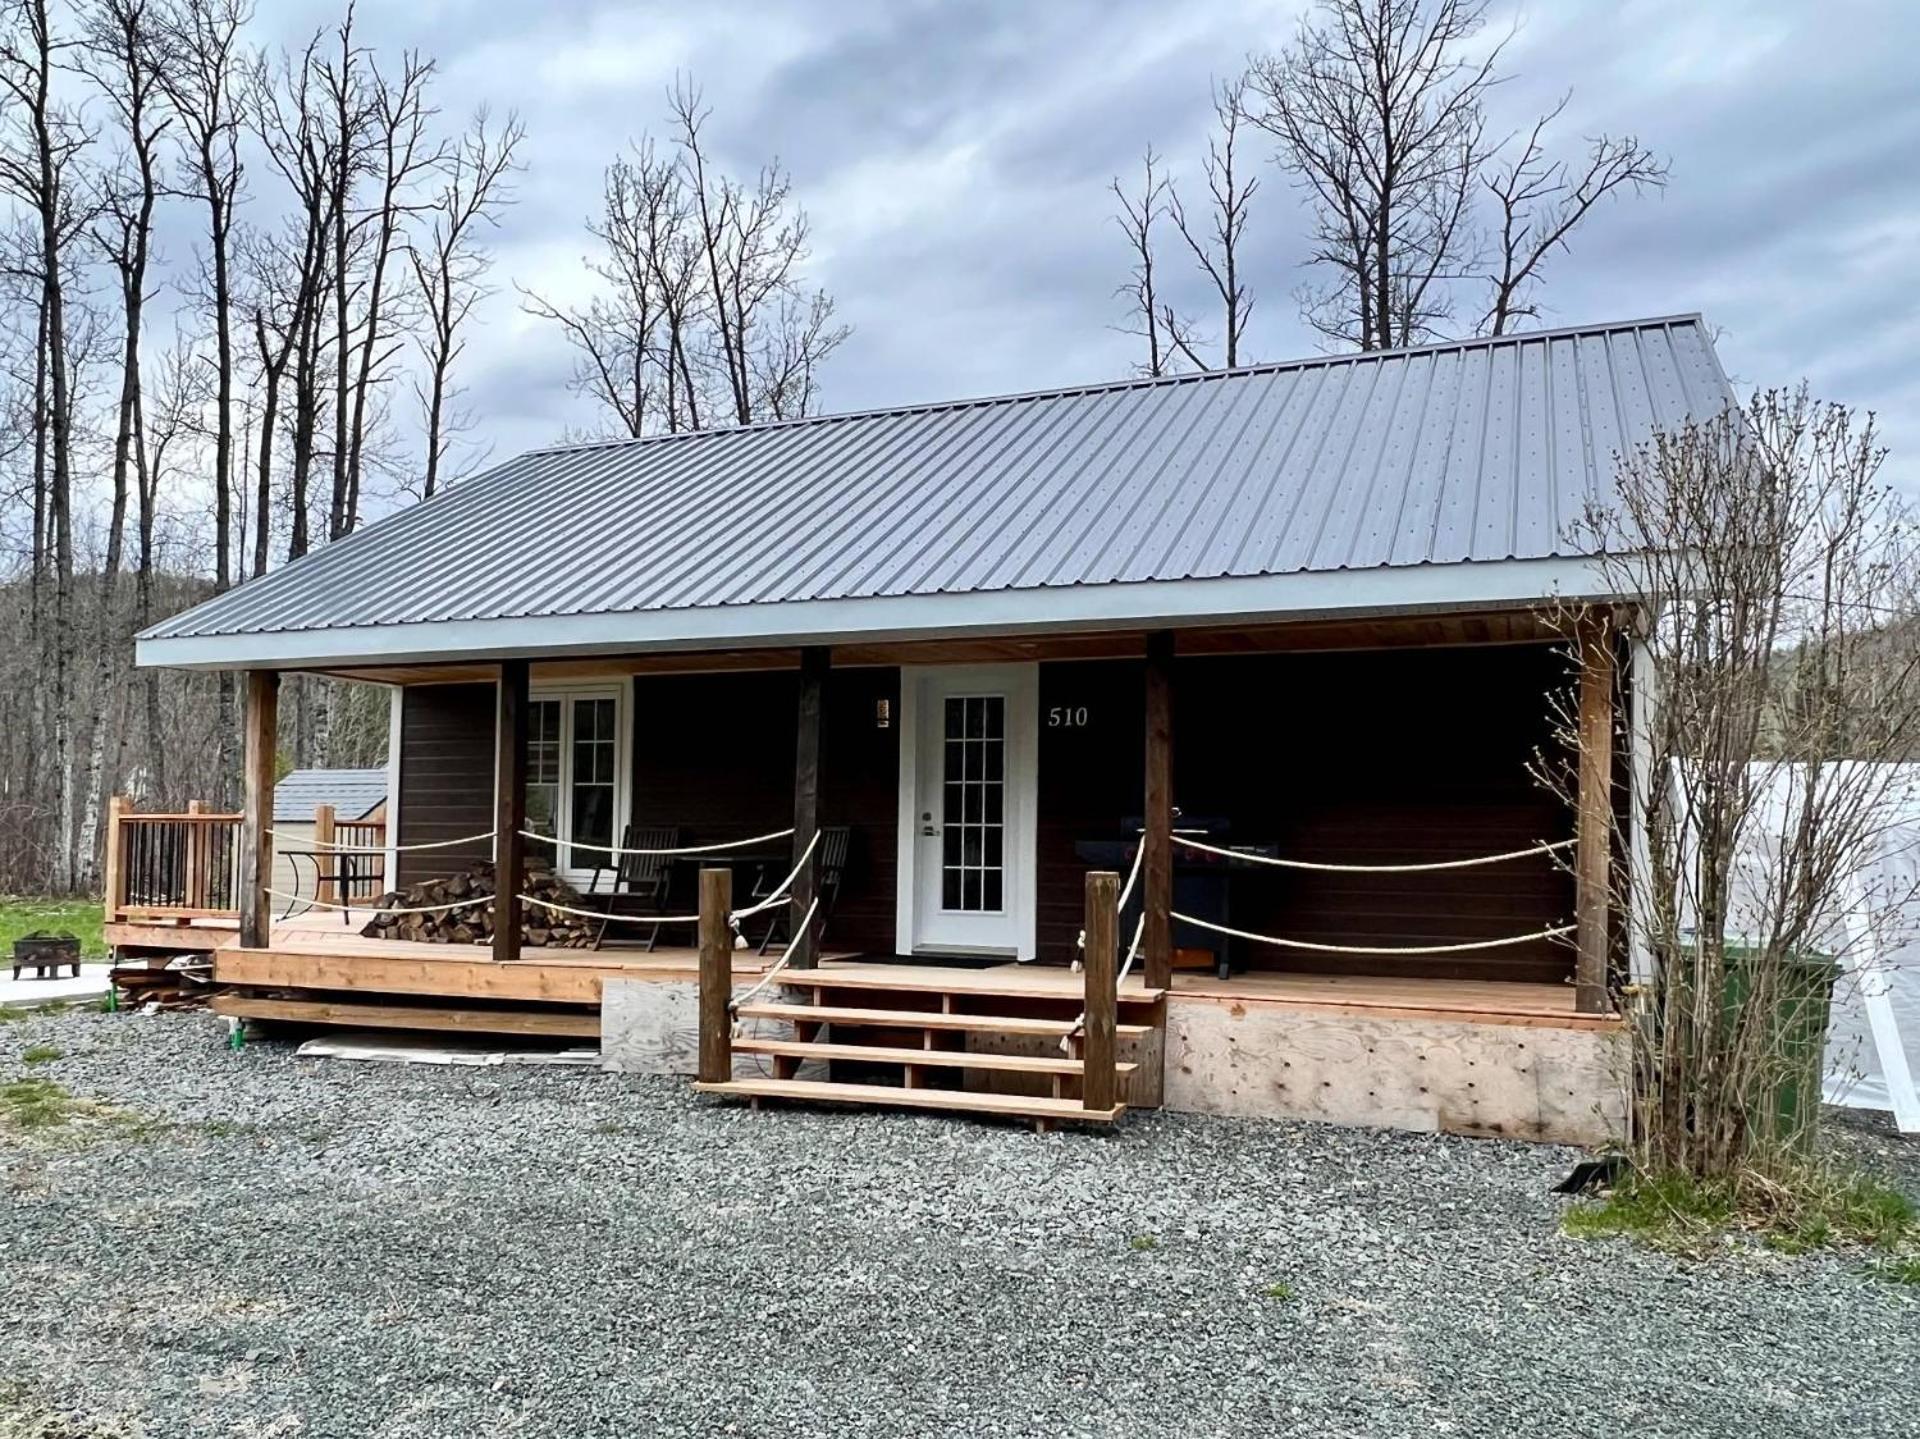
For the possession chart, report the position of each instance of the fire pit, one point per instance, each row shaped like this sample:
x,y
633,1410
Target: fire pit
x,y
46,953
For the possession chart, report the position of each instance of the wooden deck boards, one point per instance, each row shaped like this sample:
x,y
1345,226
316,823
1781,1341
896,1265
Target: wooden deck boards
x,y
1469,1001
316,951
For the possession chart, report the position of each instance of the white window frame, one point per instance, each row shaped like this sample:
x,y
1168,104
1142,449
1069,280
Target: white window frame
x,y
576,868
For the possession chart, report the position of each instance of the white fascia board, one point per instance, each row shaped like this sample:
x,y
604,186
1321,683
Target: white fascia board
x,y
1252,599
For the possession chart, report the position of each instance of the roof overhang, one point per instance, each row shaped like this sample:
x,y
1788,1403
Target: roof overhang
x,y
1148,604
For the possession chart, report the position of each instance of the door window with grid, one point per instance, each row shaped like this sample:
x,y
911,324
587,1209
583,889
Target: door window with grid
x,y
573,780
973,818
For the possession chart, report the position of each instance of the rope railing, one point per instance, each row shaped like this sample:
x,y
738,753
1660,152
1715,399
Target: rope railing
x,y
333,848
659,853
781,895
1317,947
1327,868
372,908
805,925
781,891
1120,905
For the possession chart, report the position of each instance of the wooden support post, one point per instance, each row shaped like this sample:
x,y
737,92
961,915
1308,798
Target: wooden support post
x,y
326,859
509,808
1593,867
814,662
112,875
716,975
256,819
1098,1081
1156,870
193,892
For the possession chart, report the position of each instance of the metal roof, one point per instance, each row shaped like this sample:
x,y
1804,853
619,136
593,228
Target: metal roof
x,y
353,793
1477,451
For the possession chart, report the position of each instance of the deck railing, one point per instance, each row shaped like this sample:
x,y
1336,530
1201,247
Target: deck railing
x,y
180,866
349,860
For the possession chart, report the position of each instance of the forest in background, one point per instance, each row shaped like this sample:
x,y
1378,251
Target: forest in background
x,y
176,419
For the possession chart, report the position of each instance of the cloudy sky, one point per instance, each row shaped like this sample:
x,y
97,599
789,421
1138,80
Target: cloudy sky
x,y
955,158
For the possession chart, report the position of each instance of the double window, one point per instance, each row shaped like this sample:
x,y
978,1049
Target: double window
x,y
574,781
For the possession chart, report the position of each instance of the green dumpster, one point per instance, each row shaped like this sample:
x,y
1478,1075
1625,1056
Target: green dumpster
x,y
1784,1101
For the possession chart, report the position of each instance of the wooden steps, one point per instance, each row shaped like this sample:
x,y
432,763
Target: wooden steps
x,y
551,1024
923,1019
962,1101
1006,981
916,1058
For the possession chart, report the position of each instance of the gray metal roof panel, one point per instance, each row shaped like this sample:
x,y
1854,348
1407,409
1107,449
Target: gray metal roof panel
x,y
353,793
1482,450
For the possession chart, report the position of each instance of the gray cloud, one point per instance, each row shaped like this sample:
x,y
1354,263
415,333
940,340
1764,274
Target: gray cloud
x,y
955,159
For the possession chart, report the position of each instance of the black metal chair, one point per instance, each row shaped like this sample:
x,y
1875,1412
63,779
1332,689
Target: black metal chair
x,y
830,864
641,883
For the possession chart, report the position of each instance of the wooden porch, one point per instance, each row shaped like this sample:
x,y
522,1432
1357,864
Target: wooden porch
x,y
855,1025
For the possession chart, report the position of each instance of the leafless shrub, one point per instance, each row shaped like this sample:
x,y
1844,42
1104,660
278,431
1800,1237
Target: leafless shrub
x,y
1775,583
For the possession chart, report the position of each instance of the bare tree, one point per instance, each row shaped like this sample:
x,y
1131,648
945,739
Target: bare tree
x,y
1136,217
619,359
704,309
40,149
1216,247
401,155
342,80
1775,584
1539,201
1379,115
202,73
287,109
753,240
450,267
121,57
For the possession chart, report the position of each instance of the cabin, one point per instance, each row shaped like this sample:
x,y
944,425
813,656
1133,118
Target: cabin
x,y
1168,742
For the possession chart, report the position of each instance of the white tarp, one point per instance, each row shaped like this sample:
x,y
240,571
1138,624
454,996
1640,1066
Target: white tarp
x,y
1875,932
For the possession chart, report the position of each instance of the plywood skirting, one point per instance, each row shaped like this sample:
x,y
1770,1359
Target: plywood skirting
x,y
653,1027
1427,1074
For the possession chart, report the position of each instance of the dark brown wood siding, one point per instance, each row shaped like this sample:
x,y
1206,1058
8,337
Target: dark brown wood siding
x,y
1402,756
446,776
714,755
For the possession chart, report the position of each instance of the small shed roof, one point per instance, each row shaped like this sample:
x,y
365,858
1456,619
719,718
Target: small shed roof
x,y
353,793
1426,472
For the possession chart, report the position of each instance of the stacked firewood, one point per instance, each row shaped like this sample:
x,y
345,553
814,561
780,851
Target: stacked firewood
x,y
473,924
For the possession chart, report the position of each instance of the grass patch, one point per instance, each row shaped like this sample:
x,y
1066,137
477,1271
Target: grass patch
x,y
1140,1243
42,1054
1280,1291
1817,1208
20,916
1904,1270
38,1106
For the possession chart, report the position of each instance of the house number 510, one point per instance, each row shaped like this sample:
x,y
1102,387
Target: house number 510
x,y
1067,717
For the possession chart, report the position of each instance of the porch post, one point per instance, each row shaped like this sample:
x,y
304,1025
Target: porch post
x,y
327,860
814,662
112,886
509,808
1156,867
1594,828
256,817
1098,1080
716,975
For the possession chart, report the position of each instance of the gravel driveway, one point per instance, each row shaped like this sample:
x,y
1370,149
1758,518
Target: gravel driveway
x,y
272,1246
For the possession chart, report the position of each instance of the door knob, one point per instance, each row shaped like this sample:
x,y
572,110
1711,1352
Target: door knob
x,y
929,829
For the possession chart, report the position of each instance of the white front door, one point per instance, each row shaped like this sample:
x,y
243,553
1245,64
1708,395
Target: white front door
x,y
968,806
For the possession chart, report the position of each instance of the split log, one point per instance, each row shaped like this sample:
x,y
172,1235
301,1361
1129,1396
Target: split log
x,y
540,928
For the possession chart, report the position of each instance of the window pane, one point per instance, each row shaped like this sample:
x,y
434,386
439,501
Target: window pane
x,y
990,890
